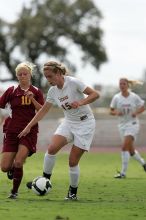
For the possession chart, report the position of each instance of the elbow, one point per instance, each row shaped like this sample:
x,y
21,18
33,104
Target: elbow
x,y
111,113
96,95
143,109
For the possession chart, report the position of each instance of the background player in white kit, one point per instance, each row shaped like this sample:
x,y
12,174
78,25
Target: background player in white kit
x,y
127,105
78,126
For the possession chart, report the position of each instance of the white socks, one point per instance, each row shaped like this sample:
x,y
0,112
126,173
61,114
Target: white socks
x,y
49,162
137,157
74,176
125,160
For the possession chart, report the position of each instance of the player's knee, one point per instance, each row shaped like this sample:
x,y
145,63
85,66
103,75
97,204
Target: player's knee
x,y
52,150
5,168
73,163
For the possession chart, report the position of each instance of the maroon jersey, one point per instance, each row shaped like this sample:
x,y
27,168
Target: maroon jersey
x,y
22,109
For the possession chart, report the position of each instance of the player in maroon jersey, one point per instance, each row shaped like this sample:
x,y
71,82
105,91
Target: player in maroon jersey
x,y
23,101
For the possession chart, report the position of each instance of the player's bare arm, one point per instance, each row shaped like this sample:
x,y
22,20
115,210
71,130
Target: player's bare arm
x,y
40,114
92,95
139,111
30,95
115,112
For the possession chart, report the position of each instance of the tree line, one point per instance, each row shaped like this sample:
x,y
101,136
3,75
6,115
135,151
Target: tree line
x,y
46,29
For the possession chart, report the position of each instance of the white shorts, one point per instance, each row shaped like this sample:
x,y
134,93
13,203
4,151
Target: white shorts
x,y
80,133
129,129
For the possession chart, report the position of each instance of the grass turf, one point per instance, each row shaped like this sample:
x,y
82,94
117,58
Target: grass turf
x,y
100,195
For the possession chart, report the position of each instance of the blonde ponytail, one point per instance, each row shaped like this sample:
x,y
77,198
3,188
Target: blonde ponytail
x,y
132,82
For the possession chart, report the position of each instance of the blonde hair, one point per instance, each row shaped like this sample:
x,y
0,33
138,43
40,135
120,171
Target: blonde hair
x,y
26,65
132,82
54,66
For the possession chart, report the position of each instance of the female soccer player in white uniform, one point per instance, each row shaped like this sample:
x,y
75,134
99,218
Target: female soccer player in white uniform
x,y
127,105
78,125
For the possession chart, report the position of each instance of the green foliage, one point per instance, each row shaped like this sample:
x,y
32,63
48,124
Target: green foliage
x,y
100,195
47,28
6,47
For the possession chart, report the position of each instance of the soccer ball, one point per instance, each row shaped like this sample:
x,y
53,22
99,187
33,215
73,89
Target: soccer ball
x,y
41,186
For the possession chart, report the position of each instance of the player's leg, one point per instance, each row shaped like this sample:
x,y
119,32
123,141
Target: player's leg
x,y
83,135
20,158
74,172
8,154
56,144
61,137
128,135
7,159
125,156
133,131
136,155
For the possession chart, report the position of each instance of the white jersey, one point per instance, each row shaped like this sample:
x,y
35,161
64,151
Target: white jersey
x,y
127,105
72,91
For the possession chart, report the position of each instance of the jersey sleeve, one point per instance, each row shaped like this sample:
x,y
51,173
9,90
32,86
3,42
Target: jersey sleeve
x,y
5,98
113,103
80,85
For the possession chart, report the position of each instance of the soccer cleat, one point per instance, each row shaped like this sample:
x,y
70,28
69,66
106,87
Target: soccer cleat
x,y
71,197
10,174
13,195
72,194
144,167
29,185
120,176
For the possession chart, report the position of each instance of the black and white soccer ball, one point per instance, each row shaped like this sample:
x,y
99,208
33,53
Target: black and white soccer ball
x,y
41,186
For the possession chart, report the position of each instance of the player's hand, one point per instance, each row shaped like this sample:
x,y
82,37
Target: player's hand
x,y
29,94
24,132
118,113
115,112
134,114
75,104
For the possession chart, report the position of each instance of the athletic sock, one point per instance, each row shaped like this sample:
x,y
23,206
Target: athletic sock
x,y
17,177
137,157
125,160
74,176
48,176
73,190
49,162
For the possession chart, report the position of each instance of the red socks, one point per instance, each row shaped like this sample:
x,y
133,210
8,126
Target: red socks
x,y
17,177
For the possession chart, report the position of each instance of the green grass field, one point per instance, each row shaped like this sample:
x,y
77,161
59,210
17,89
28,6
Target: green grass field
x,y
100,195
